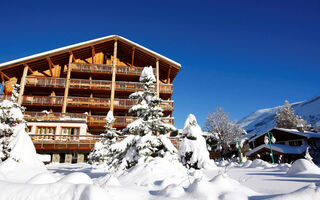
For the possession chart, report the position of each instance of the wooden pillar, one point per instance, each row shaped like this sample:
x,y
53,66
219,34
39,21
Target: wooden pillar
x,y
114,71
22,83
158,83
51,65
132,56
168,78
93,54
66,90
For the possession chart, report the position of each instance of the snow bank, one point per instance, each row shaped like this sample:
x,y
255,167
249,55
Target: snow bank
x,y
77,178
303,166
55,191
23,163
310,192
258,163
43,178
220,187
247,163
156,170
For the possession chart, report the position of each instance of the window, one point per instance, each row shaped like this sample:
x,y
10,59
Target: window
x,y
295,143
70,133
46,133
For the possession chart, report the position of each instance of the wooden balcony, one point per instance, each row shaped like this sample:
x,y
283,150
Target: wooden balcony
x,y
64,142
103,68
93,120
91,84
85,102
72,142
54,117
120,121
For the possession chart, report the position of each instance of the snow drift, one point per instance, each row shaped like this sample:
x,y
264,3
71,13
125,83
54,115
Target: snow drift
x,y
303,166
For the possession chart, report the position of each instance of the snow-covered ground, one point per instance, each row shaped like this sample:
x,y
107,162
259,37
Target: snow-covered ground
x,y
161,179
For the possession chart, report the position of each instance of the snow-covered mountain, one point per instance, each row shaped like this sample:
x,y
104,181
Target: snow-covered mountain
x,y
264,119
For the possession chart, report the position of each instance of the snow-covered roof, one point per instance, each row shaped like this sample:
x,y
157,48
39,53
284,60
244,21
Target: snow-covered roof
x,y
285,149
306,134
69,47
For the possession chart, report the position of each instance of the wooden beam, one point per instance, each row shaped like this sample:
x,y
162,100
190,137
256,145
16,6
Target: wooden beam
x,y
29,68
2,79
114,71
158,83
7,77
73,58
93,52
168,78
66,90
22,84
50,66
132,56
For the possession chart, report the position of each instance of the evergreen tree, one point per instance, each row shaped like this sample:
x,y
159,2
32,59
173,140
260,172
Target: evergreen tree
x,y
10,117
285,118
193,151
226,132
146,142
101,152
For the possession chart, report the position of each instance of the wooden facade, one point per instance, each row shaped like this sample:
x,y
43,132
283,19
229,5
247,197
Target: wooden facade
x,y
80,83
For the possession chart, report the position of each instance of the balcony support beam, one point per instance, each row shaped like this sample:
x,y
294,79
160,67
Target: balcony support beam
x,y
51,65
93,52
132,56
22,83
168,78
158,82
114,71
66,90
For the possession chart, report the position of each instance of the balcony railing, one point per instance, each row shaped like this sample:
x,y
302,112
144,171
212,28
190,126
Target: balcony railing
x,y
85,102
91,84
49,116
103,68
84,67
74,142
93,120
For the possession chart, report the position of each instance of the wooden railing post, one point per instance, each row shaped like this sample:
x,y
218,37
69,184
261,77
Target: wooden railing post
x,y
66,90
22,83
158,83
114,71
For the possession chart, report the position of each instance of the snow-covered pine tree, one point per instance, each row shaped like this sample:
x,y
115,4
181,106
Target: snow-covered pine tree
x,y
101,152
219,125
193,151
10,117
146,143
285,118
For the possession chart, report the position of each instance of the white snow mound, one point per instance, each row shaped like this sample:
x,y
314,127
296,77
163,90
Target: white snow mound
x,y
156,169
43,178
303,166
77,178
23,163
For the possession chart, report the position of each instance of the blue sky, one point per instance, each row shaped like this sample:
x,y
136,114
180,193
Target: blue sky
x,y
241,55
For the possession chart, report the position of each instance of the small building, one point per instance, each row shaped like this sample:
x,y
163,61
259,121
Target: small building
x,y
290,145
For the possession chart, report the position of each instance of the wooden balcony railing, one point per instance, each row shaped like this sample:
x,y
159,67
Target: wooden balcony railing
x,y
103,68
49,116
121,121
74,142
85,102
93,120
84,67
91,84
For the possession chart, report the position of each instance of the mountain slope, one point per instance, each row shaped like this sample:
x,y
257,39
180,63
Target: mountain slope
x,y
264,119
